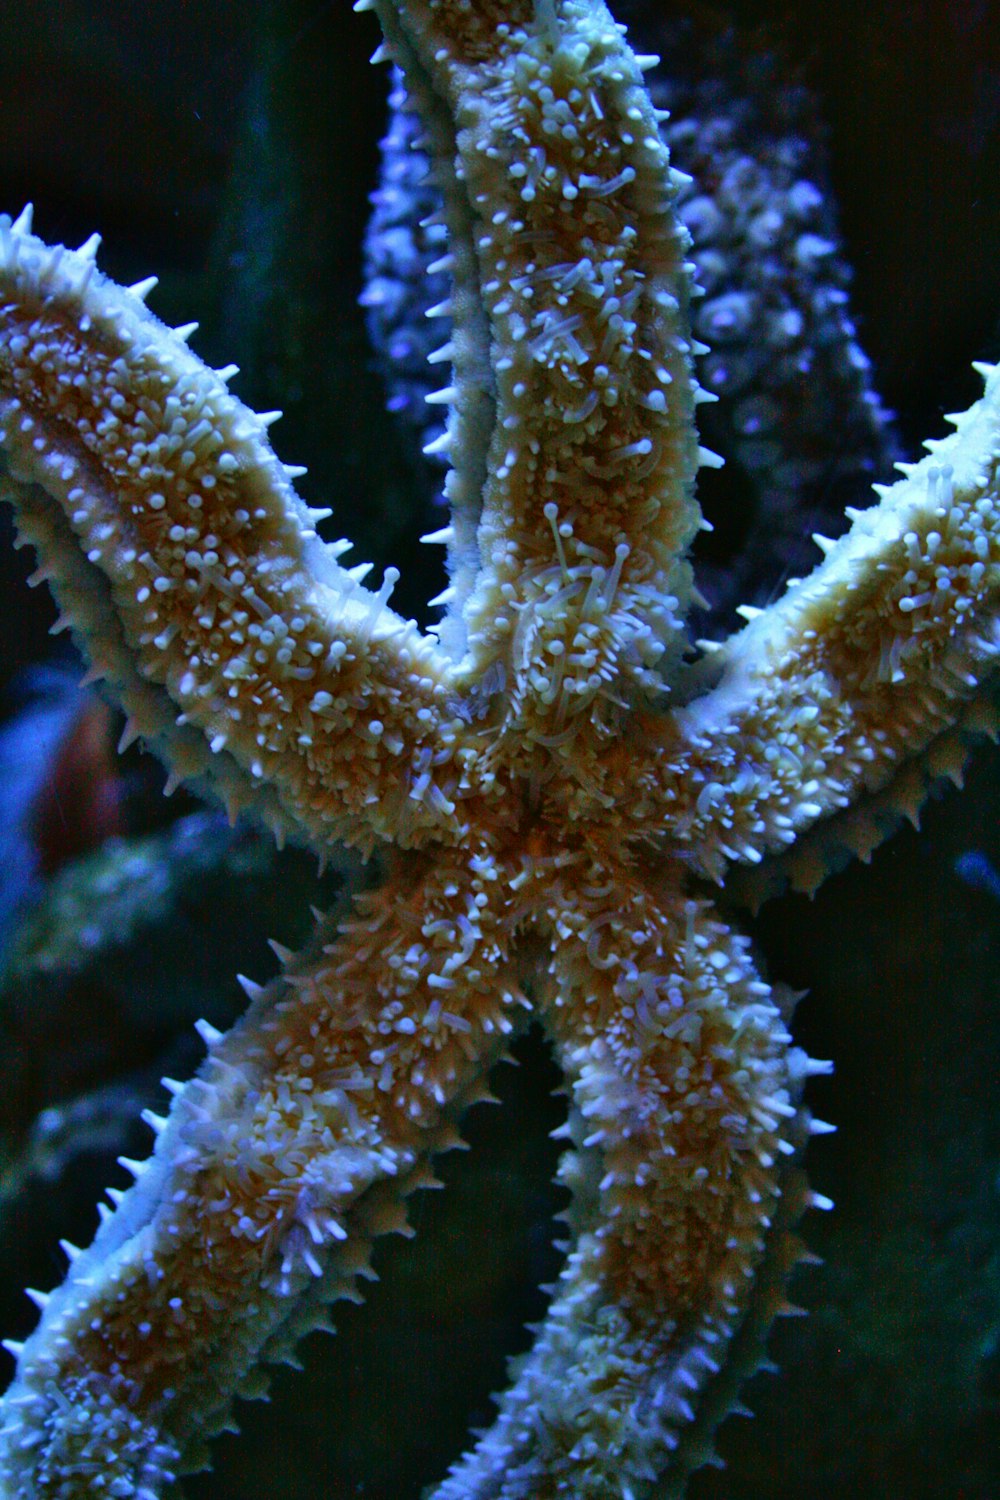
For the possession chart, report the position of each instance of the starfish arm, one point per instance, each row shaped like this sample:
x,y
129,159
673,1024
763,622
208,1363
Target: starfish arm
x,y
863,666
192,572
558,199
751,150
683,1110
278,1163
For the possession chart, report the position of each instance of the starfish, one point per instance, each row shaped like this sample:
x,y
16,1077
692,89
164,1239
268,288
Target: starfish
x,y
784,356
552,784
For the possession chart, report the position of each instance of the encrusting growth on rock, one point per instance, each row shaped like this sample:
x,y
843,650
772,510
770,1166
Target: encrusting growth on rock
x,y
555,786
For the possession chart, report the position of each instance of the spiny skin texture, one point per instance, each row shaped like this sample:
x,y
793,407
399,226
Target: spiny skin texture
x,y
783,356
557,789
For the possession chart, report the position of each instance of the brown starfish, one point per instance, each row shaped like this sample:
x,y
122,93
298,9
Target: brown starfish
x,y
558,787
